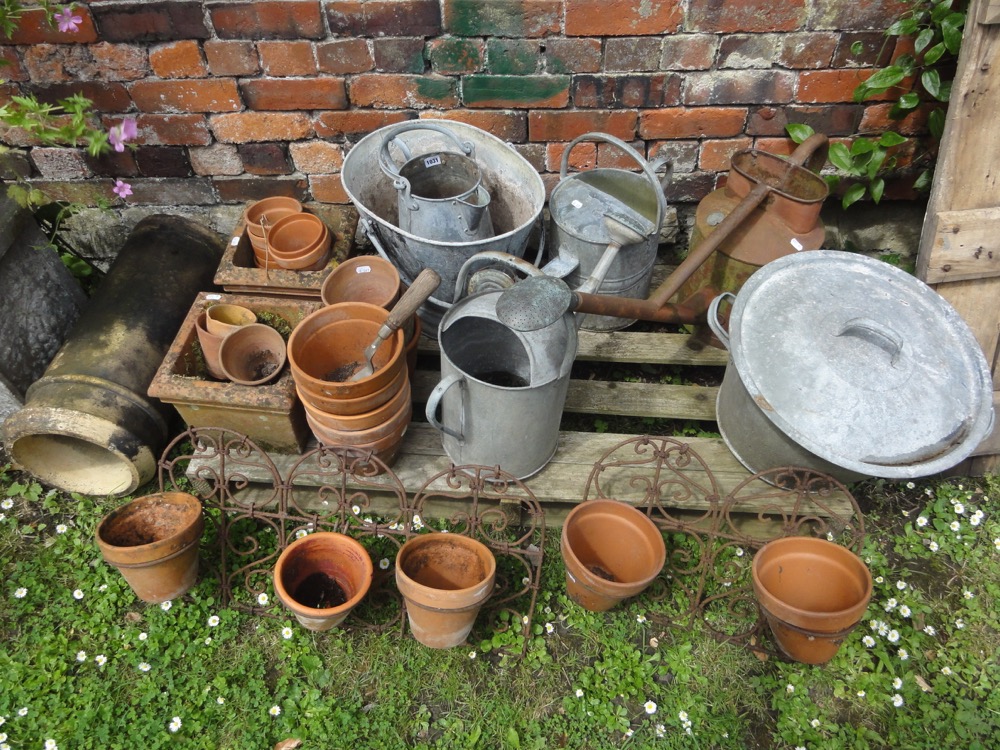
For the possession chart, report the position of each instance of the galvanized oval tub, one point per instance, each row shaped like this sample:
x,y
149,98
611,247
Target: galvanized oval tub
x,y
517,196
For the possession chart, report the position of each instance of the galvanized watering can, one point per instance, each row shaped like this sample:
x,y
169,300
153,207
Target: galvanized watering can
x,y
502,391
440,194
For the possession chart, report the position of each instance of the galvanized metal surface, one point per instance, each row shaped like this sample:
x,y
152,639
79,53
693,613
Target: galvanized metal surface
x,y
517,196
859,364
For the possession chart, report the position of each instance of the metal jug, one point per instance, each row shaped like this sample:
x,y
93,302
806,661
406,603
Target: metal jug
x,y
440,194
502,392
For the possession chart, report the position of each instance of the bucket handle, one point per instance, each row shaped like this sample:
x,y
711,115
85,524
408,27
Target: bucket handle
x,y
713,318
647,168
874,332
434,400
388,165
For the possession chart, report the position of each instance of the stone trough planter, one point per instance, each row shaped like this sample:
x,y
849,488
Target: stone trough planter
x,y
270,414
238,273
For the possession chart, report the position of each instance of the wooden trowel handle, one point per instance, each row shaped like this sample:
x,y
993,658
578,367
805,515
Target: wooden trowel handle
x,y
423,286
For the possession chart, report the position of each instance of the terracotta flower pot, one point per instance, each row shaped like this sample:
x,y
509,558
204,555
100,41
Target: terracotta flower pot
x,y
358,422
328,434
296,235
153,541
269,211
252,355
210,344
321,577
444,579
358,405
325,345
366,278
223,319
812,592
611,551
411,341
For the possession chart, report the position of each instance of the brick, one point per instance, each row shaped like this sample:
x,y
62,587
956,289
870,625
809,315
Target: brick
x,y
267,19
173,130
352,124
534,154
60,163
10,65
565,126
177,60
716,154
841,16
699,122
739,87
83,192
242,189
828,86
151,21
250,127
106,97
287,58
114,164
572,55
207,95
538,92
745,16
455,54
231,58
837,119
776,146
610,156
742,51
683,155
15,165
33,28
328,188
689,51
582,157
221,159
876,50
265,159
626,91
317,157
117,62
512,57
622,18
384,17
507,125
877,119
391,91
162,161
632,54
502,18
399,54
343,56
807,50
690,187
171,191
291,94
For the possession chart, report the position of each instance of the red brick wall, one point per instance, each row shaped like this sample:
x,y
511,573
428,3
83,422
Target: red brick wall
x,y
226,92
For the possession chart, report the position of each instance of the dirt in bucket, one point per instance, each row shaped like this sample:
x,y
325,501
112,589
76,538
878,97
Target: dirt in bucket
x,y
260,365
320,591
342,373
600,572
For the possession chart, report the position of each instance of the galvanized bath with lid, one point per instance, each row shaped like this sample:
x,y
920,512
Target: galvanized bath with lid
x,y
850,366
502,392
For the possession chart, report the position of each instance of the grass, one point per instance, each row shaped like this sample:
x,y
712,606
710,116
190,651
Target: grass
x,y
86,665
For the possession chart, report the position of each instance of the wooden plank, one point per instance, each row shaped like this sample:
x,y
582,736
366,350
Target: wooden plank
x,y
964,246
990,12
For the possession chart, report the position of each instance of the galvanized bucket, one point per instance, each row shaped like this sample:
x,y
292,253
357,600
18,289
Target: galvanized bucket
x,y
518,196
852,367
502,392
440,194
577,234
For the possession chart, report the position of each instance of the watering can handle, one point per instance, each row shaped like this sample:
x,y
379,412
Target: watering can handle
x,y
713,318
385,160
647,168
434,400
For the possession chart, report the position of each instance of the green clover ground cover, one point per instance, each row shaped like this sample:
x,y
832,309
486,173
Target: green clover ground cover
x,y
86,665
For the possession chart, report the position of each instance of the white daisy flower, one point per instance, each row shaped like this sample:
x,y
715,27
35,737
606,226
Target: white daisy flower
x,y
213,621
579,693
81,656
20,592
145,666
262,599
650,707
165,606
61,528
78,594
100,660
922,521
286,633
384,563
897,700
274,710
175,724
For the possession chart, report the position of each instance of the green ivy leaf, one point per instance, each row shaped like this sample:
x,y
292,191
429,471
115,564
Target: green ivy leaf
x,y
923,181
840,157
798,131
923,40
877,188
940,11
862,146
891,138
903,27
951,31
908,101
935,123
886,78
934,53
857,48
931,81
853,195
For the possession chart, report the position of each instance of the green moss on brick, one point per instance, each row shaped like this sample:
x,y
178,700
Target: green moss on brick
x,y
515,57
513,90
485,17
453,55
436,88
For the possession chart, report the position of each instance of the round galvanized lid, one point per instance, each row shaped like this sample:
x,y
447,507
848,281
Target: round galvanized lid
x,y
861,364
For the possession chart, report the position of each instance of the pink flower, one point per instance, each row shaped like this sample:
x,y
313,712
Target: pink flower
x,y
122,189
124,131
68,23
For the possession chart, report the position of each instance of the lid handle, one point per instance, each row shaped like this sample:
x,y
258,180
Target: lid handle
x,y
875,333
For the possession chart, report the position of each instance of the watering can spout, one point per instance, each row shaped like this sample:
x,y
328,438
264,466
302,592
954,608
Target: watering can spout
x,y
473,208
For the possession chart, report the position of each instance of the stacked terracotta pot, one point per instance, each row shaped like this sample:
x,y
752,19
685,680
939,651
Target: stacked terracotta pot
x,y
324,351
238,348
283,235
